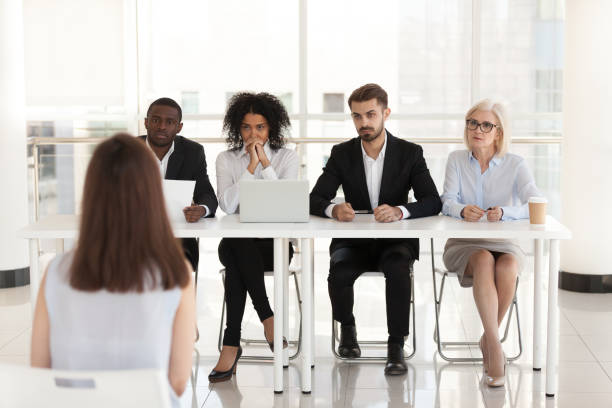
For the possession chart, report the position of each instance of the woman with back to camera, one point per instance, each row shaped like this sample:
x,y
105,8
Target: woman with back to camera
x,y
487,182
124,297
256,125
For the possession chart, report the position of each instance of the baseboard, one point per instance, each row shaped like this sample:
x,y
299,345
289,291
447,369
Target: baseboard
x,y
577,282
13,278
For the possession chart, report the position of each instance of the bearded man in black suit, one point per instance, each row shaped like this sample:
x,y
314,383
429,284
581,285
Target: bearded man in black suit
x,y
376,171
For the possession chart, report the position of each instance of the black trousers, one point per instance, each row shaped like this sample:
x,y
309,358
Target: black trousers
x,y
191,251
395,260
245,260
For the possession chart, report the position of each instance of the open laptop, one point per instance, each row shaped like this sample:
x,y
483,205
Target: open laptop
x,y
274,201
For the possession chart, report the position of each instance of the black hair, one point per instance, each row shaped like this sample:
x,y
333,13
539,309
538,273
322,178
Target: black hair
x,y
167,102
264,104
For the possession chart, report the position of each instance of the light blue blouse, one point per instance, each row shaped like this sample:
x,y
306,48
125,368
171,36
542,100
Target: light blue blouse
x,y
507,183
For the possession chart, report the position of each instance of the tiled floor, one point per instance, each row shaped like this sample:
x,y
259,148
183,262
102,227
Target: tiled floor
x,y
585,368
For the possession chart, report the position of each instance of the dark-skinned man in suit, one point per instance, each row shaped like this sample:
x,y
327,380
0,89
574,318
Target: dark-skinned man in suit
x,y
180,159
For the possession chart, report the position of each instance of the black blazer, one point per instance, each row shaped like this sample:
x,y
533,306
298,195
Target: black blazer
x,y
188,162
404,169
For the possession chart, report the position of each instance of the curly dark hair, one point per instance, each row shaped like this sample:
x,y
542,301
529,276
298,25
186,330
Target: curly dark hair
x,y
269,106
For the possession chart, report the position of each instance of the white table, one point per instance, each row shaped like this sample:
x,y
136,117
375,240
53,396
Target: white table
x,y
364,226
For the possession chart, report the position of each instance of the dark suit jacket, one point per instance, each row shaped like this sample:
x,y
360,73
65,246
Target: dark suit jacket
x,y
188,162
404,169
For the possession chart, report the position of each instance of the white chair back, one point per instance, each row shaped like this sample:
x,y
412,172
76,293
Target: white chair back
x,y
23,386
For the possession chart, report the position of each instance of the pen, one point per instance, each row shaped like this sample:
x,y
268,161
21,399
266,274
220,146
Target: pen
x,y
364,212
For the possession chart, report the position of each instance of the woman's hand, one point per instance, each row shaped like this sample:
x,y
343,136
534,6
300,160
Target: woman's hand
x,y
472,213
261,153
494,214
250,147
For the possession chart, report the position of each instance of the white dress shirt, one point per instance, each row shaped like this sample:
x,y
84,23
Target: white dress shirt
x,y
163,167
373,175
507,183
163,163
232,167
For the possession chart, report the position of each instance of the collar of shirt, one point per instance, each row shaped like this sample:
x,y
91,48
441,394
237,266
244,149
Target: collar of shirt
x,y
381,155
496,160
267,150
163,163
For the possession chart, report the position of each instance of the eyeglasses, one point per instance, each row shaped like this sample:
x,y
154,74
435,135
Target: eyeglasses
x,y
485,127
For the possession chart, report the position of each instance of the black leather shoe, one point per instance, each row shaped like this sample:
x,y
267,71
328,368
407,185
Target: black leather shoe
x,y
349,347
219,376
271,344
396,365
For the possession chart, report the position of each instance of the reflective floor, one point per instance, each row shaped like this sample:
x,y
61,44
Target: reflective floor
x,y
585,369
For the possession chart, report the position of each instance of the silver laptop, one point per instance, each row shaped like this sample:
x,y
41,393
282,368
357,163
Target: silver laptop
x,y
274,201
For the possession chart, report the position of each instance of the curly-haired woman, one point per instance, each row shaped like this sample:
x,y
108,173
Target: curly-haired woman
x,y
256,126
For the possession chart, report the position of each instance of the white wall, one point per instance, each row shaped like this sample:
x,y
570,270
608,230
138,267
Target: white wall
x,y
13,166
586,183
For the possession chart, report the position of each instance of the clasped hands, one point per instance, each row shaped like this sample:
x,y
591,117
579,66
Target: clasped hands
x,y
474,213
256,151
382,213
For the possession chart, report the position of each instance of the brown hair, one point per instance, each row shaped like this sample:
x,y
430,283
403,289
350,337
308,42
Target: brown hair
x,y
367,92
125,240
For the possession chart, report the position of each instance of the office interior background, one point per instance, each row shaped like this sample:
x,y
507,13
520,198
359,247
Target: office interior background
x,y
91,68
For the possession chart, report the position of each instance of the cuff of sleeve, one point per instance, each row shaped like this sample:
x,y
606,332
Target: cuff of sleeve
x,y
405,212
456,211
329,209
268,173
247,175
505,214
206,210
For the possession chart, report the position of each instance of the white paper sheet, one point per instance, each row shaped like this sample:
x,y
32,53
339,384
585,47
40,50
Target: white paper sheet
x,y
178,195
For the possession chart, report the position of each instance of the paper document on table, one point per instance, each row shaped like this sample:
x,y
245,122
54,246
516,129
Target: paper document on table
x,y
178,195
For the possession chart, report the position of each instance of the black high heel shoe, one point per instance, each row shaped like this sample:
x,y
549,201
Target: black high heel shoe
x,y
219,376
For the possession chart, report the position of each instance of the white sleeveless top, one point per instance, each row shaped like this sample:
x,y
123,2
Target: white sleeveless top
x,y
107,331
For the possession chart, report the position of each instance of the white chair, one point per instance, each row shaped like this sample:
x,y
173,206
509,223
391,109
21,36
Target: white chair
x,y
450,344
379,343
23,386
293,271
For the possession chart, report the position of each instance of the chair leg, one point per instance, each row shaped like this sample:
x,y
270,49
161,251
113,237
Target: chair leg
x,y
299,305
286,306
413,313
220,341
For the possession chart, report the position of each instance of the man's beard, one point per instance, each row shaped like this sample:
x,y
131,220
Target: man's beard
x,y
373,135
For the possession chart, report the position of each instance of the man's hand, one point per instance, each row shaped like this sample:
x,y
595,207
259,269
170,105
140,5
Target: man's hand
x,y
472,213
343,212
250,148
386,213
194,212
494,214
261,154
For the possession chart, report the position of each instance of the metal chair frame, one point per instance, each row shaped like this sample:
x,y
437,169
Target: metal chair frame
x,y
446,344
296,343
335,337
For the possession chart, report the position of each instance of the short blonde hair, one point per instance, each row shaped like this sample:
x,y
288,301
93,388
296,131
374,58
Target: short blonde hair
x,y
501,113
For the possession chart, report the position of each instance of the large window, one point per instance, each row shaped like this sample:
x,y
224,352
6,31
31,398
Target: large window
x,y
93,69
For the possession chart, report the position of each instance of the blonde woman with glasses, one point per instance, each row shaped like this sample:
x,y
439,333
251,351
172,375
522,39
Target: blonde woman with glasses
x,y
486,183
